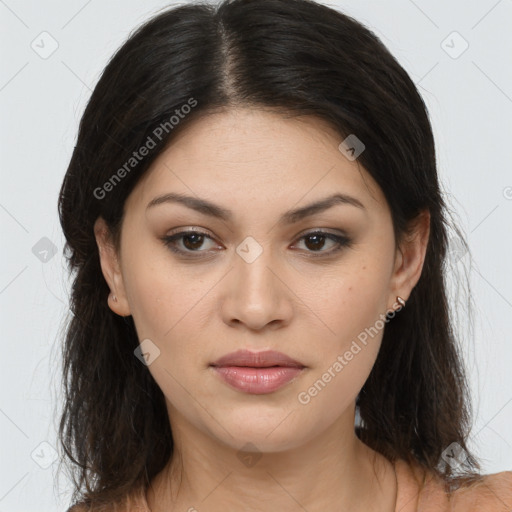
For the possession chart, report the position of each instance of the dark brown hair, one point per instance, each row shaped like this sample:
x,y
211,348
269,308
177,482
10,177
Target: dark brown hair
x,y
298,58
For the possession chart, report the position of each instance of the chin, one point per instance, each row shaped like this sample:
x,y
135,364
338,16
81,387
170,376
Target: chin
x,y
261,431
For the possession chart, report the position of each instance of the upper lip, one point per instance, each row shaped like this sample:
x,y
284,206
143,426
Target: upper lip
x,y
263,359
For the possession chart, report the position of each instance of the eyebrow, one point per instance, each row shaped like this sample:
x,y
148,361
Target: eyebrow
x,y
211,209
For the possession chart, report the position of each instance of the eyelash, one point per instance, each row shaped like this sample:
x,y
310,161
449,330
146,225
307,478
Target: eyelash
x,y
342,241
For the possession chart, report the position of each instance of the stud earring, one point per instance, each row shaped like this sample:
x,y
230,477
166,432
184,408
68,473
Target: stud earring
x,y
400,301
114,298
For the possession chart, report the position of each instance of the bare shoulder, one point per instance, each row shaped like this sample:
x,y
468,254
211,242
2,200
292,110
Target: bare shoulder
x,y
492,493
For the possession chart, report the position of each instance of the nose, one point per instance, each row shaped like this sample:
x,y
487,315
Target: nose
x,y
256,294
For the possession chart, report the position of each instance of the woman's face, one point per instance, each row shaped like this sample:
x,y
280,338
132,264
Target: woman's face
x,y
259,278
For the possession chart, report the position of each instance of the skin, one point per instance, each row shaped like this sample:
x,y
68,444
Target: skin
x,y
259,165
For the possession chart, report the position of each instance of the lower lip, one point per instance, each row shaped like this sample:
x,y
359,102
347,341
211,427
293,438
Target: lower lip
x,y
257,381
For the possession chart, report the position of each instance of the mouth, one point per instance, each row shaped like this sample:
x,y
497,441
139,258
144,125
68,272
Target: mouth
x,y
265,359
257,372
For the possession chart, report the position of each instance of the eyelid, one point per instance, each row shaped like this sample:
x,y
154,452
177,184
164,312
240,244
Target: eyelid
x,y
204,231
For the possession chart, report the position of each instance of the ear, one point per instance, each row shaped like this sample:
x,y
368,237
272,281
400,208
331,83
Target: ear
x,y
111,268
410,257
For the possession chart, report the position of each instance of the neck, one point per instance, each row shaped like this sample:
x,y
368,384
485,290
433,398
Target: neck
x,y
331,472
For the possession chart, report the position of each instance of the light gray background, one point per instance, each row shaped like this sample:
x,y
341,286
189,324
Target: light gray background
x,y
42,99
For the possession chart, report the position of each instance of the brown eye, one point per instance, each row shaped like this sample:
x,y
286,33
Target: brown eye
x,y
316,241
191,241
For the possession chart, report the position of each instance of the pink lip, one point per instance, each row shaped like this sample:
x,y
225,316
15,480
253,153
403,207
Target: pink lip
x,y
257,372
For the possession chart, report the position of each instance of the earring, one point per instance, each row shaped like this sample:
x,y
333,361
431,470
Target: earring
x,y
400,301
114,298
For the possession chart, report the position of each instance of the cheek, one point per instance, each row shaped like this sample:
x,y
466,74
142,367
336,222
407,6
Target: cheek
x,y
164,306
352,311
167,307
352,303
161,298
346,354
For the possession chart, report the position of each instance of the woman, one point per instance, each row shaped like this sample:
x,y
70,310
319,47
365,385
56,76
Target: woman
x,y
253,215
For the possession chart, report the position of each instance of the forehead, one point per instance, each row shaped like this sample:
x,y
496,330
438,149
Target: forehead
x,y
250,156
